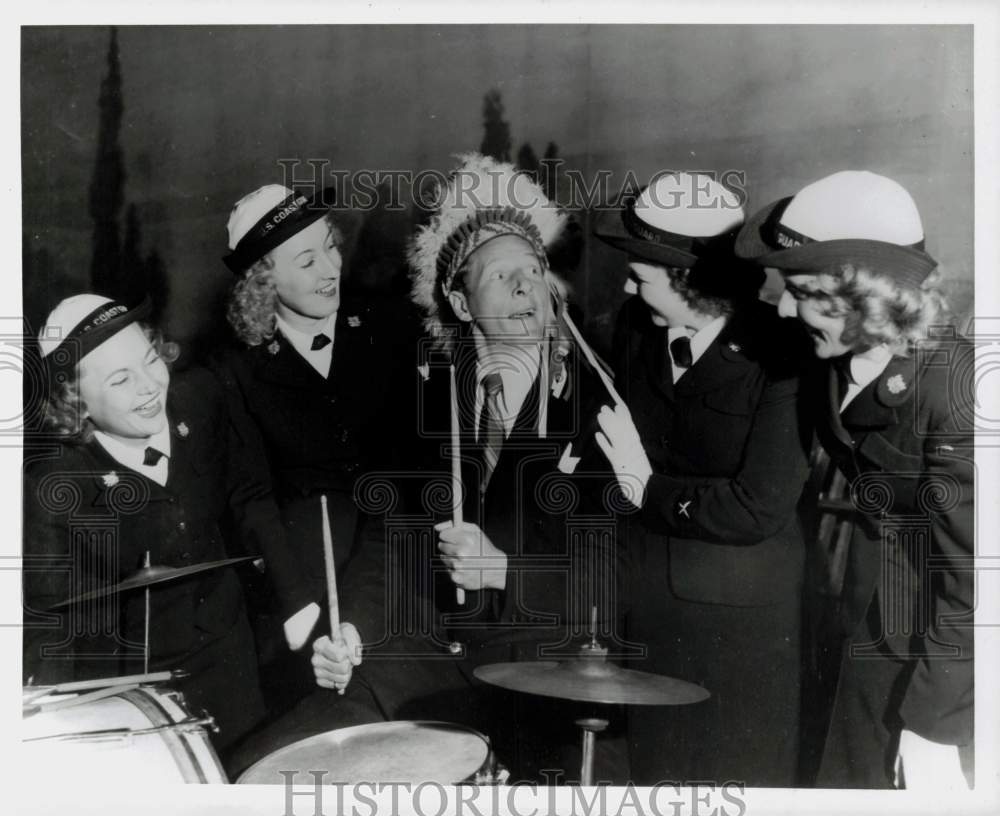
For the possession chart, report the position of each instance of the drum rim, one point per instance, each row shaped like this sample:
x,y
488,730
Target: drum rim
x,y
177,743
381,725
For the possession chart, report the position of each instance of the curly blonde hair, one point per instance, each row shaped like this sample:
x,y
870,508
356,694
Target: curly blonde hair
x,y
64,412
878,309
253,300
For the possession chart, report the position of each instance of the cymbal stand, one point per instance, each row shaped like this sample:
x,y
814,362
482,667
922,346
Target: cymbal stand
x,y
145,647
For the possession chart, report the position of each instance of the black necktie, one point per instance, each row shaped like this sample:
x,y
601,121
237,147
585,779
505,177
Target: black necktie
x,y
320,341
680,350
152,457
491,426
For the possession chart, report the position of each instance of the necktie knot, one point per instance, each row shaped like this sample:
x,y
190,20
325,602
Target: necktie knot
x,y
152,457
320,341
680,351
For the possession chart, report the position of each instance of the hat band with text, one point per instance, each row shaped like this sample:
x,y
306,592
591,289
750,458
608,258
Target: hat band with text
x,y
102,323
290,216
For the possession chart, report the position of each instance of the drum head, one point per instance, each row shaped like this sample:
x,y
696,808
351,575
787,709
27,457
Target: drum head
x,y
380,752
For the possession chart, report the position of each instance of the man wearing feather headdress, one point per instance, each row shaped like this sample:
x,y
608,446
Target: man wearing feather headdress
x,y
526,408
491,306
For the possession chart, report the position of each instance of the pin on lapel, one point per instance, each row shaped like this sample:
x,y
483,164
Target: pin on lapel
x,y
183,430
273,347
896,384
110,479
353,321
735,347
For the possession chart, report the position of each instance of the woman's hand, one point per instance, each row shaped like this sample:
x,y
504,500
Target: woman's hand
x,y
621,444
334,660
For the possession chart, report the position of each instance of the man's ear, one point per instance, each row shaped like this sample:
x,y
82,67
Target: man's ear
x,y
460,306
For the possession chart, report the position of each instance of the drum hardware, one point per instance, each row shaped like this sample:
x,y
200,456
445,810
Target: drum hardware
x,y
591,726
145,578
144,734
190,725
589,678
151,575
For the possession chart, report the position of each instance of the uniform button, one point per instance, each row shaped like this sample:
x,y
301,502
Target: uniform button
x,y
201,600
186,555
182,526
664,441
333,400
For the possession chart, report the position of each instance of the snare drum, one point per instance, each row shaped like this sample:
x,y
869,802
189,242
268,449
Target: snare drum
x,y
402,751
142,735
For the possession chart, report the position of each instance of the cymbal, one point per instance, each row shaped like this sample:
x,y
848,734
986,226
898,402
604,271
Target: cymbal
x,y
591,680
147,576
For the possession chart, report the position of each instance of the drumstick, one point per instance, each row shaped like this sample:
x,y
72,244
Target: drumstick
x,y
331,576
589,354
456,470
105,682
55,705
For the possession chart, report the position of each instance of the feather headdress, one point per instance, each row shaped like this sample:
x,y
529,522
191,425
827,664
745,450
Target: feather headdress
x,y
483,199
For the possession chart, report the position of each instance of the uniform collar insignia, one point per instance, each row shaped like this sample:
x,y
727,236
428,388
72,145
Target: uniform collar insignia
x,y
895,385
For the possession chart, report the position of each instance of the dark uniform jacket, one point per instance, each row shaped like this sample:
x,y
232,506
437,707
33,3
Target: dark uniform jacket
x,y
728,445
905,445
717,551
88,522
320,435
530,509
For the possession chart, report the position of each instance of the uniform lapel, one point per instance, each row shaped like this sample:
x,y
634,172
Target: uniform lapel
x,y
656,360
877,403
278,362
724,360
352,348
832,407
179,462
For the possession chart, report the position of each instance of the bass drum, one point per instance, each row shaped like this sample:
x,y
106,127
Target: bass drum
x,y
142,735
401,751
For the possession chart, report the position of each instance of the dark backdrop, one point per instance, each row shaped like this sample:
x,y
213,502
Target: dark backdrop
x,y
208,111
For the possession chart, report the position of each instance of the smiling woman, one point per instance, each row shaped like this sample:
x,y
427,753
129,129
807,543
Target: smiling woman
x,y
153,464
309,376
69,412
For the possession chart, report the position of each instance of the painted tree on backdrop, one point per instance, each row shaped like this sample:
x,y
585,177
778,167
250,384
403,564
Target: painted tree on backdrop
x,y
119,270
496,139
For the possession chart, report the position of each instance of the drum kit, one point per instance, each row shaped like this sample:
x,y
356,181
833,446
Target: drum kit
x,y
136,725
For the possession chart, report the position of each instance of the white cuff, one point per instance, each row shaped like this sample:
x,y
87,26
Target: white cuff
x,y
299,626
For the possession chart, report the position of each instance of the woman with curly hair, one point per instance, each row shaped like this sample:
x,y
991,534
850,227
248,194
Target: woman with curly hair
x,y
147,466
850,248
311,375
